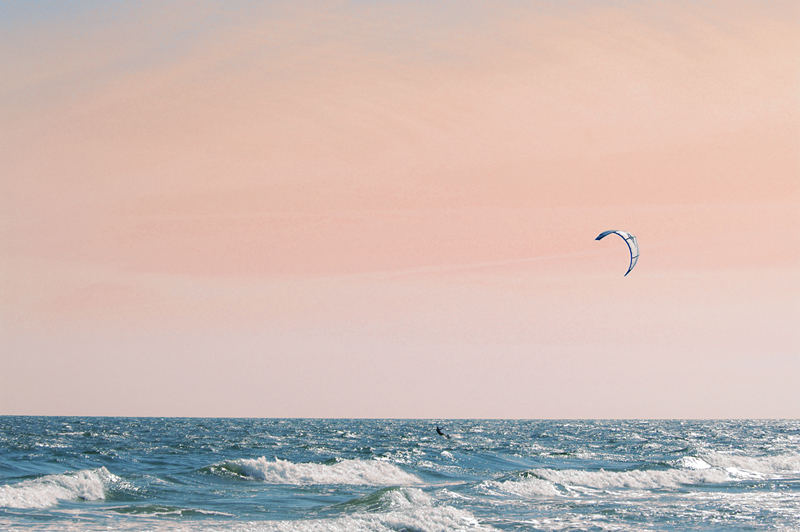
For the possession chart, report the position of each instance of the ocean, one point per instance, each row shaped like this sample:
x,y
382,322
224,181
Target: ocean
x,y
84,473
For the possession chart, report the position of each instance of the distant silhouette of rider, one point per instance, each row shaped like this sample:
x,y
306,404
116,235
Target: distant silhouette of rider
x,y
441,433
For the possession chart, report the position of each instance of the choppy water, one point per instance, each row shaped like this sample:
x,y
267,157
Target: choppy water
x,y
290,474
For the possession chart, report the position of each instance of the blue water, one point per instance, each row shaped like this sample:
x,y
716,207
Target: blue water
x,y
82,473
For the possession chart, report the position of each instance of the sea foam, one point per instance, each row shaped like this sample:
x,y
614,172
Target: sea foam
x,y
529,487
357,472
403,509
560,482
769,466
86,484
711,468
637,478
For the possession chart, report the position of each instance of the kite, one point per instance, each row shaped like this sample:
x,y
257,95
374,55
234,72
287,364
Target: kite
x,y
633,245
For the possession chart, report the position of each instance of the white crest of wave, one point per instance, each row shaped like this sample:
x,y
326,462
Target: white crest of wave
x,y
409,509
359,472
639,478
693,462
546,482
711,468
529,487
763,465
86,484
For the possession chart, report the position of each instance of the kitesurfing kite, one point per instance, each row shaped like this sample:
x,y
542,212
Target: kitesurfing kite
x,y
633,245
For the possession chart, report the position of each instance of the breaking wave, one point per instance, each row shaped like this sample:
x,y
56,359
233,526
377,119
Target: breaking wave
x,y
782,464
637,478
713,468
526,487
553,482
357,472
160,510
86,484
386,510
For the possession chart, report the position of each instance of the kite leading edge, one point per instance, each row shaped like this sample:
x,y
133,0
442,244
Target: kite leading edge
x,y
633,245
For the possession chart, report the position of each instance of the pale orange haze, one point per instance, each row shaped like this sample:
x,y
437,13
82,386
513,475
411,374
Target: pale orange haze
x,y
388,209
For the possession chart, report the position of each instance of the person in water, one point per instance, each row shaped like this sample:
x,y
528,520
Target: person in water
x,y
441,433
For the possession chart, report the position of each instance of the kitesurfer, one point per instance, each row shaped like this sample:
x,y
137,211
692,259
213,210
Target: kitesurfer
x,y
440,432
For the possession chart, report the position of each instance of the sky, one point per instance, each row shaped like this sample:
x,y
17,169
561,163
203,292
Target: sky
x,y
388,209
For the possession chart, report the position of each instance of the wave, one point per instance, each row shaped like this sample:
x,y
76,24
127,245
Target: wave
x,y
527,487
781,464
637,478
161,510
693,462
711,468
384,511
387,510
554,482
357,472
86,484
386,499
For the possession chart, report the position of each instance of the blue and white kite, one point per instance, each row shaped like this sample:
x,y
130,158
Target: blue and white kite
x,y
633,245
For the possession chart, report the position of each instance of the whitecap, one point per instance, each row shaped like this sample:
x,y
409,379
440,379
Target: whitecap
x,y
358,472
408,509
529,487
638,478
553,482
693,462
781,464
86,484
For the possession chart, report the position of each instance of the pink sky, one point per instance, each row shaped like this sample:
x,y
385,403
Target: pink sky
x,y
389,209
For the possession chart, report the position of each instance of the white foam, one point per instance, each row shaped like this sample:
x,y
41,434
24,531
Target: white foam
x,y
359,472
402,509
692,462
552,482
410,509
529,487
86,484
641,479
712,468
781,464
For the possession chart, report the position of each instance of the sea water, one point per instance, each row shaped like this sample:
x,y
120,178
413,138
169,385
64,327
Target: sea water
x,y
79,473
